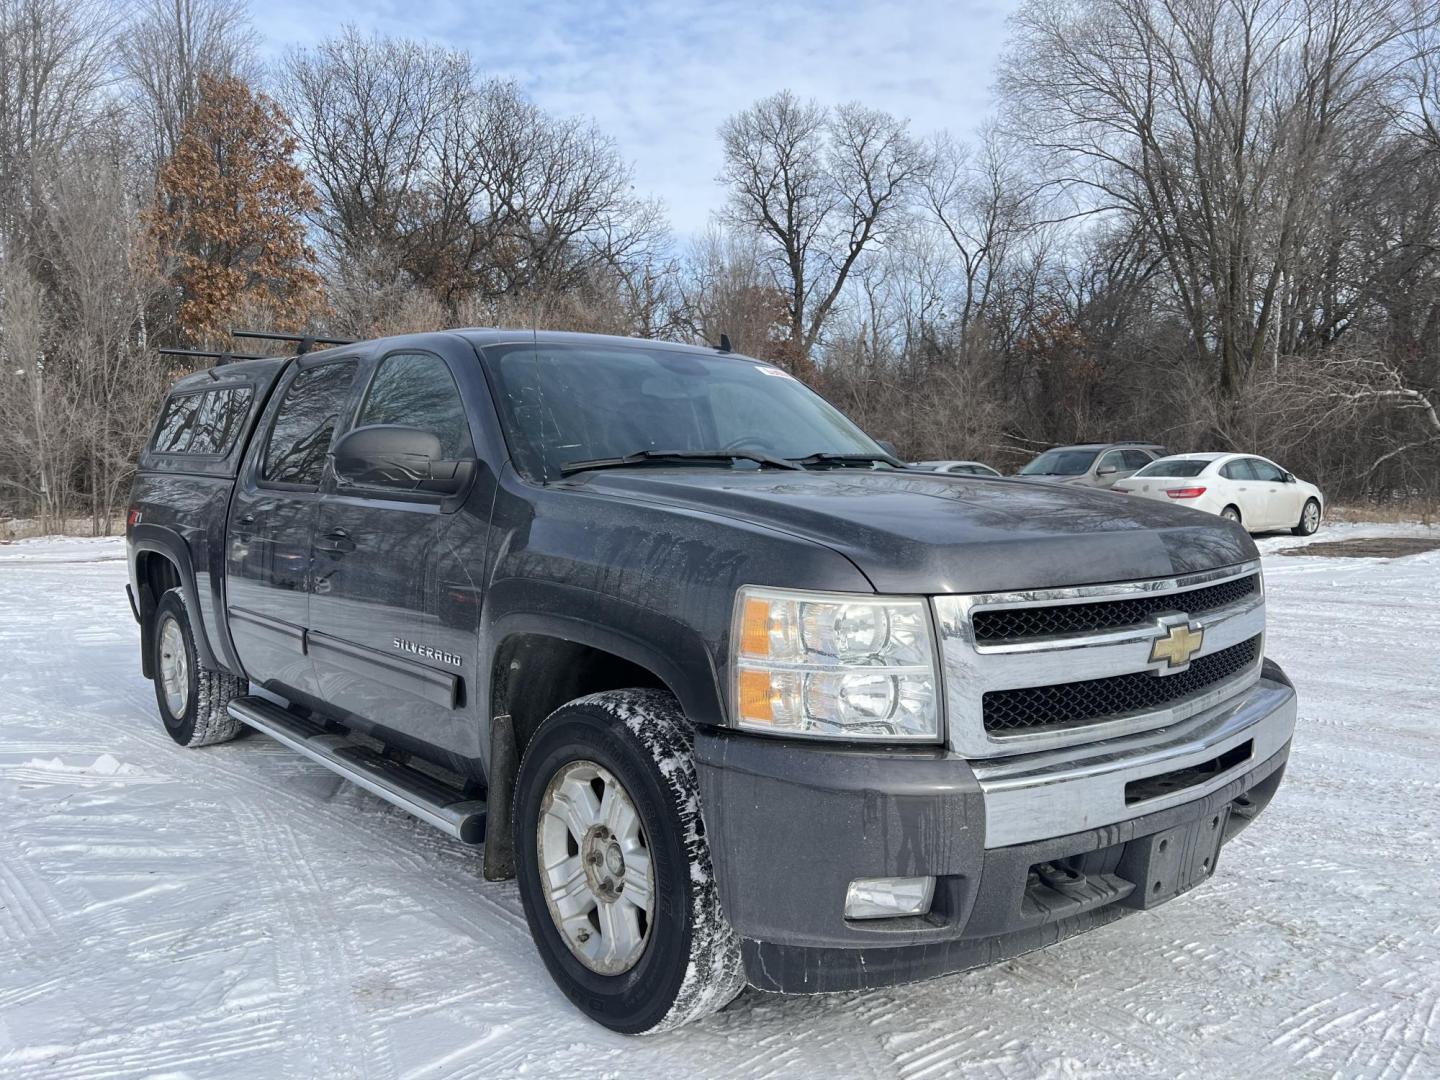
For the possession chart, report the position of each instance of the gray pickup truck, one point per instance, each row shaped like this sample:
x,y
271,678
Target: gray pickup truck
x,y
734,696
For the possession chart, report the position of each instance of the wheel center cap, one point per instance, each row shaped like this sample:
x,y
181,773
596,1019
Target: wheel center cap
x,y
604,864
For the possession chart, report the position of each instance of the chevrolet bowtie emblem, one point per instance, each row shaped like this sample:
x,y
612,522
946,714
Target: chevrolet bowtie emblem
x,y
1177,644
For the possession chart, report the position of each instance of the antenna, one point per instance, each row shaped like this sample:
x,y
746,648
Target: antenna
x,y
304,342
724,345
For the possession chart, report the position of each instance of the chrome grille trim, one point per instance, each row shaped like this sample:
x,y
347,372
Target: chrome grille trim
x,y
971,668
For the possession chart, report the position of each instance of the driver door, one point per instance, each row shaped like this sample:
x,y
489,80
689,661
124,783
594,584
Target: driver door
x,y
1111,467
390,650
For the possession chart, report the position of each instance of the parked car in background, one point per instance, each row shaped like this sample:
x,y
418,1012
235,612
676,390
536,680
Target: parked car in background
x,y
1252,491
1096,465
958,468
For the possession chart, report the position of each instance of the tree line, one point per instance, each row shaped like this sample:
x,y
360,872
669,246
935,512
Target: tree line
x,y
1211,223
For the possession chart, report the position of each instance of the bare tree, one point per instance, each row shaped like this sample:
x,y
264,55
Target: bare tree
x,y
980,202
432,177
821,187
1211,124
54,61
166,49
375,118
104,282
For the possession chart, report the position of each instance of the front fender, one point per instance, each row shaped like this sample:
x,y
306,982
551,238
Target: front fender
x,y
675,653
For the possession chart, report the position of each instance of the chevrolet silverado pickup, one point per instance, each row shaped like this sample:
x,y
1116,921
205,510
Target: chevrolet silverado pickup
x,y
732,695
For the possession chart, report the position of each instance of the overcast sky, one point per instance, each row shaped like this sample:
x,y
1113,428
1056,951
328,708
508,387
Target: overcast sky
x,y
660,75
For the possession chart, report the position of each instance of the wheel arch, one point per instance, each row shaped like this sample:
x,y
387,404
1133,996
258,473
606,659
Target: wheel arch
x,y
162,562
543,662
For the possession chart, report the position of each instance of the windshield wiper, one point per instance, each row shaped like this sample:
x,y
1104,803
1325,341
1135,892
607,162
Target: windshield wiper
x,y
845,459
651,457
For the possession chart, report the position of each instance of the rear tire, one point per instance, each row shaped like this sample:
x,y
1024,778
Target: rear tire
x,y
616,768
1309,523
1232,513
192,701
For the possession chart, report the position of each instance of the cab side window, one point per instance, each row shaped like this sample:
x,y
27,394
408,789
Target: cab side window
x,y
417,390
305,423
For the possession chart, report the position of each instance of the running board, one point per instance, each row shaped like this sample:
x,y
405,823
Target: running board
x,y
410,789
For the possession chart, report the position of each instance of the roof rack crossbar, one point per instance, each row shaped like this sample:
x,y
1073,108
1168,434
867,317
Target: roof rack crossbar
x,y
202,354
305,342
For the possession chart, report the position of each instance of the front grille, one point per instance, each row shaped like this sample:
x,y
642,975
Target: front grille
x,y
1015,623
1066,705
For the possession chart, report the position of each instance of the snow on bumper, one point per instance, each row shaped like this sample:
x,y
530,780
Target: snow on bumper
x,y
790,826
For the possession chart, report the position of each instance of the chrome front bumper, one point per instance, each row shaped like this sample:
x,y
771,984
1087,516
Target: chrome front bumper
x,y
1055,792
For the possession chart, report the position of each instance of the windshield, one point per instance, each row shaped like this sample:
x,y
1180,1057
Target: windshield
x,y
562,404
1060,463
1174,467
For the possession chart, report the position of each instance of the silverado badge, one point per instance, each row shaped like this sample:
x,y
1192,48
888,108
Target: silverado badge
x,y
1177,644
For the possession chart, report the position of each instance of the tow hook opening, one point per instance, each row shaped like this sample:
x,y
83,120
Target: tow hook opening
x,y
1153,787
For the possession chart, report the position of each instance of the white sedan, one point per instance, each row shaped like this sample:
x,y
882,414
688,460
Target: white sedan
x,y
1249,490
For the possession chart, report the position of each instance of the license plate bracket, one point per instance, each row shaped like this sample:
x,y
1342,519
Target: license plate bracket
x,y
1167,863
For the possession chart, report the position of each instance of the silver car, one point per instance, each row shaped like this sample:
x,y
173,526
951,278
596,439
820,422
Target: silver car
x,y
956,468
1096,465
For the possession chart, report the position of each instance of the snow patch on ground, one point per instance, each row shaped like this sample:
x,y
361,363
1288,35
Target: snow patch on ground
x,y
244,913
63,549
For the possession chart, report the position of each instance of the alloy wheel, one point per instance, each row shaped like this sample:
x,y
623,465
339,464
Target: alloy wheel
x,y
174,667
595,867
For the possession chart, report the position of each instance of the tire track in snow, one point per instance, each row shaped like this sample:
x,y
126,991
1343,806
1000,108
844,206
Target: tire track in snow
x,y
1312,953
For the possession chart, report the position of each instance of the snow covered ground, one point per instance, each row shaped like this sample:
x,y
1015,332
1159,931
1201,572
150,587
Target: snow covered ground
x,y
239,911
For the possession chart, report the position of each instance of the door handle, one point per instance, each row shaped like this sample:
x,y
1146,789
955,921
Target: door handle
x,y
337,541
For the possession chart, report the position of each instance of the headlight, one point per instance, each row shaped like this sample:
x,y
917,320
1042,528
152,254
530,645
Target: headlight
x,y
834,665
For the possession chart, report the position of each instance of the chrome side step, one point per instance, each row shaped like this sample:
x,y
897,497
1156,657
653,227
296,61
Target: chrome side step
x,y
410,789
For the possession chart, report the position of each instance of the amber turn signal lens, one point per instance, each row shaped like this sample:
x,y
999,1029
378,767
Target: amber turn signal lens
x,y
755,696
755,628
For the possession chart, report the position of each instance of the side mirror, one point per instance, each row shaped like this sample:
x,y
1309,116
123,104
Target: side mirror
x,y
1106,470
399,457
1289,478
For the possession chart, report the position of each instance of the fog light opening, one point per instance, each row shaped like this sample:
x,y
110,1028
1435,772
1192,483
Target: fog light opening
x,y
888,897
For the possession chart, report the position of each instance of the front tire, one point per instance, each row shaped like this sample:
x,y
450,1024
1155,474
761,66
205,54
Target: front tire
x,y
614,867
192,701
1309,522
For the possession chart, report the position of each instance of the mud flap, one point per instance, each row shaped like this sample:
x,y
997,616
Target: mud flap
x,y
1166,864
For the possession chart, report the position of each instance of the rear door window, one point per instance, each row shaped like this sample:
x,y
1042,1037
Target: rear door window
x,y
305,423
1238,470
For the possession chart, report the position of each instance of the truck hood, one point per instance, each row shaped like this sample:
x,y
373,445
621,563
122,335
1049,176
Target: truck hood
x,y
913,533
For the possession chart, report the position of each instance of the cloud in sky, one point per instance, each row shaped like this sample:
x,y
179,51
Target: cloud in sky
x,y
661,76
